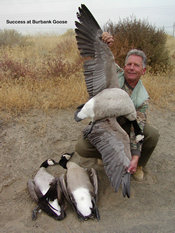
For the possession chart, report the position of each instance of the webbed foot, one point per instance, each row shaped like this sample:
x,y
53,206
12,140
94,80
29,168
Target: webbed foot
x,y
35,212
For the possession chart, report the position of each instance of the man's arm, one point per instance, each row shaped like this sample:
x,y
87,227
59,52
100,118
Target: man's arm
x,y
136,147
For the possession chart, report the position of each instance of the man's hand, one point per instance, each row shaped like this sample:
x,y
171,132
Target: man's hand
x,y
108,38
133,164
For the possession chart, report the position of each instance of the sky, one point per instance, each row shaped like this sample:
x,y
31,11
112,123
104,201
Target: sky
x,y
30,16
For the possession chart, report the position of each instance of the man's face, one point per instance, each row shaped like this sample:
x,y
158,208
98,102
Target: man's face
x,y
133,69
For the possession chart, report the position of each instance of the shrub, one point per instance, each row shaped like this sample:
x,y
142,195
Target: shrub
x,y
10,68
60,67
43,57
64,58
12,38
132,33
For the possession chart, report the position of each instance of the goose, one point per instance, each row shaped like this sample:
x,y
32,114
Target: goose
x,y
106,102
80,187
106,99
46,192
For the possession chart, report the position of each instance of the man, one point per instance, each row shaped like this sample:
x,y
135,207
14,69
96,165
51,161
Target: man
x,y
129,80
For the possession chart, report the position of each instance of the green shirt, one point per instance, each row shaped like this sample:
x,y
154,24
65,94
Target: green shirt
x,y
140,99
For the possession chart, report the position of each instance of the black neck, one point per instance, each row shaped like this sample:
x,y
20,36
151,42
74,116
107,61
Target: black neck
x,y
44,164
63,162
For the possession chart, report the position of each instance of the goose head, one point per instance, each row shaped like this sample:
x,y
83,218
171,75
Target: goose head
x,y
48,162
64,159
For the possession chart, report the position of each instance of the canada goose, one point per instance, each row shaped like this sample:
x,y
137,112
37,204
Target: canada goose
x,y
45,191
80,187
101,79
106,98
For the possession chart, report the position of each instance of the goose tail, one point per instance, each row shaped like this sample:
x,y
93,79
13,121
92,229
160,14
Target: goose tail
x,y
126,184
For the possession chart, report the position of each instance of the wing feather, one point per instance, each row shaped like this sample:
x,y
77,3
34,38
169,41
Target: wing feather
x,y
62,181
113,144
100,70
86,17
94,180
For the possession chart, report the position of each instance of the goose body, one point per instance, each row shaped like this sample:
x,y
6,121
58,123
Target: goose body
x,y
107,103
100,76
46,192
80,187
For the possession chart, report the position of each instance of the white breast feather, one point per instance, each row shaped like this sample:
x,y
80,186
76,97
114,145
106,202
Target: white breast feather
x,y
83,200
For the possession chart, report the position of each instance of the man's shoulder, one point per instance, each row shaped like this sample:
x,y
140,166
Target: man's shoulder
x,y
120,75
139,94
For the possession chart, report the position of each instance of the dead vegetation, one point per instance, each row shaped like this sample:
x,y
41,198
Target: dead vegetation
x,y
46,73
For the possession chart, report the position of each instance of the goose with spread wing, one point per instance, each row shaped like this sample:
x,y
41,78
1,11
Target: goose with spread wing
x,y
106,102
106,98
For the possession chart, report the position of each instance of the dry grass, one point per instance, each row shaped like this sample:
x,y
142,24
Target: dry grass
x,y
47,74
23,95
161,89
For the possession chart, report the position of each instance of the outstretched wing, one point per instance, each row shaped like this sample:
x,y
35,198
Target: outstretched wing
x,y
113,144
100,68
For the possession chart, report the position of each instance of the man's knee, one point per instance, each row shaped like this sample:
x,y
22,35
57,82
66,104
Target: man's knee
x,y
151,135
80,149
85,149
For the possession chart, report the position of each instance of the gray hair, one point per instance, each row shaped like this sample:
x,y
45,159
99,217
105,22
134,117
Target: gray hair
x,y
139,53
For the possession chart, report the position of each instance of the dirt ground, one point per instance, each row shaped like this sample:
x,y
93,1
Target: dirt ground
x,y
29,139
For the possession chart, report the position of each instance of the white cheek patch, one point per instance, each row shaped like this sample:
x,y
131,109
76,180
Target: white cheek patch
x,y
83,201
66,156
50,162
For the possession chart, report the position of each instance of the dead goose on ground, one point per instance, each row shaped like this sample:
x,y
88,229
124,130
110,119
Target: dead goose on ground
x,y
106,98
46,192
80,187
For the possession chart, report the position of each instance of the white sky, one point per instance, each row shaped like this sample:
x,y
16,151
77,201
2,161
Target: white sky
x,y
159,13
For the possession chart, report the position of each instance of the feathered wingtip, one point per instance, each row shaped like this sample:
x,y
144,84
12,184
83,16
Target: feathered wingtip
x,y
86,31
126,184
85,16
